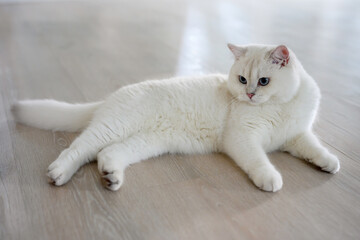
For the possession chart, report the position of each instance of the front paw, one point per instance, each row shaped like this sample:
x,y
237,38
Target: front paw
x,y
267,179
329,163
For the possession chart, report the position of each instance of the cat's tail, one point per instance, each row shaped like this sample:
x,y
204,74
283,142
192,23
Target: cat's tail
x,y
53,115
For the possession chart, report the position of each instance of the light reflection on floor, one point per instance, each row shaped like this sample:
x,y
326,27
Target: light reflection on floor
x,y
194,45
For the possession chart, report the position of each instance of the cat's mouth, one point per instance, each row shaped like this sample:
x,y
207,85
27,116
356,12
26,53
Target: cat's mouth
x,y
251,99
254,101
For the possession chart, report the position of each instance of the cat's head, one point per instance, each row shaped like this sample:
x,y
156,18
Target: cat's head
x,y
263,74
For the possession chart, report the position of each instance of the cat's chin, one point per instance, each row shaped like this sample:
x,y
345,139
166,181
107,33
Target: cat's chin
x,y
258,100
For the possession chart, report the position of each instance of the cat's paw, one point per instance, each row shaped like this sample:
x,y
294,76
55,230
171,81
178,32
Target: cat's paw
x,y
113,180
111,169
267,179
330,163
60,172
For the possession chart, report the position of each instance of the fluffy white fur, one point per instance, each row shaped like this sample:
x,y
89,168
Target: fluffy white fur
x,y
204,114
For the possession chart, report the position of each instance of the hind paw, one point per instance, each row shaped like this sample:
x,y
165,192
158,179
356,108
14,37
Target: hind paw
x,y
60,172
113,180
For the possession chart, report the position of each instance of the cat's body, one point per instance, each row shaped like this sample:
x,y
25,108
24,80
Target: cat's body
x,y
213,113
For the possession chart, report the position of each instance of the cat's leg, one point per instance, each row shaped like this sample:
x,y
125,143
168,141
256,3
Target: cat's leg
x,y
119,117
113,159
308,147
82,150
251,157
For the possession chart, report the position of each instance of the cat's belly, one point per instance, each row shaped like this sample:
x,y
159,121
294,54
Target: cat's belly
x,y
187,117
187,132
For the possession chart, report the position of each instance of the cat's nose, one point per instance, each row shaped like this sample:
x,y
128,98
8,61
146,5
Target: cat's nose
x,y
250,95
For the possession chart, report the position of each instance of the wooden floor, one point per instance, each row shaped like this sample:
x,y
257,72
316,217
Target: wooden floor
x,y
83,50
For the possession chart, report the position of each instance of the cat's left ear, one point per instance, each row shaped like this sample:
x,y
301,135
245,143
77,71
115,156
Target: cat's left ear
x,y
280,55
236,50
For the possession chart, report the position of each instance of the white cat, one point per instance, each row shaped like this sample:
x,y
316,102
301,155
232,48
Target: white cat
x,y
267,102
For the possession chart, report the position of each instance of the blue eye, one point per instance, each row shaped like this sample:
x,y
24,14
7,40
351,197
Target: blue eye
x,y
242,79
264,81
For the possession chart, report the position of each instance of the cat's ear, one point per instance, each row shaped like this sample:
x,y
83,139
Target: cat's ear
x,y
280,55
236,50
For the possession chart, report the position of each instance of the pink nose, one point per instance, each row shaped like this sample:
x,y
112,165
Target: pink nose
x,y
250,95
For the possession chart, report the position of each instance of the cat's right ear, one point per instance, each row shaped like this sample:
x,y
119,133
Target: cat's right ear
x,y
236,50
